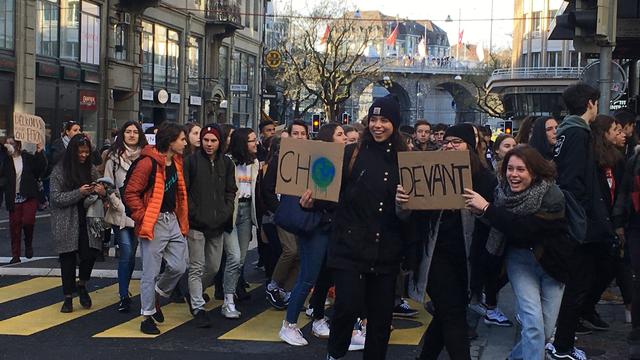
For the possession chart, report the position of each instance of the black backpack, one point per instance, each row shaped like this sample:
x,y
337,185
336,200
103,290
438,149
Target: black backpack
x,y
150,182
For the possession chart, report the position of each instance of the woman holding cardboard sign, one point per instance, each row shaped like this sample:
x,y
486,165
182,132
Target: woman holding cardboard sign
x,y
368,244
445,267
529,224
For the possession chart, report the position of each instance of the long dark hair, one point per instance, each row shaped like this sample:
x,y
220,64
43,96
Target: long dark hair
x,y
76,174
326,132
524,132
539,140
238,147
606,153
538,167
396,139
118,146
274,148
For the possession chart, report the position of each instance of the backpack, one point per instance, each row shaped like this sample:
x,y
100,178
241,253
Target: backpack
x,y
150,182
576,218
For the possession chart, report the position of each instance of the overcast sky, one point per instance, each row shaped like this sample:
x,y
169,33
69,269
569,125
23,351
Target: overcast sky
x,y
476,15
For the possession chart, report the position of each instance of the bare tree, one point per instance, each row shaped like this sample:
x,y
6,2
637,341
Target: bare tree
x,y
327,63
486,101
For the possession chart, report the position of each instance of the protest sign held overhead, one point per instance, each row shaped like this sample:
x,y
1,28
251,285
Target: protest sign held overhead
x,y
28,128
307,164
435,180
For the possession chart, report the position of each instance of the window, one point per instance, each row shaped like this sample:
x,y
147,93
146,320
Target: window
x,y
536,21
256,12
47,14
554,58
193,65
173,55
121,41
223,66
6,24
70,29
247,13
535,59
523,60
90,34
147,53
160,56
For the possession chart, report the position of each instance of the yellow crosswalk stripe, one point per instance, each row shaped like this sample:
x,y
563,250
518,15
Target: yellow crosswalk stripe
x,y
262,327
28,287
50,316
412,336
174,316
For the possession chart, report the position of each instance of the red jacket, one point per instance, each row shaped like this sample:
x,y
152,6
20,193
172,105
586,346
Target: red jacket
x,y
145,208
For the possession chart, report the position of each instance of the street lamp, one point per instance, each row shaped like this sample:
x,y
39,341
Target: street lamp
x,y
449,20
457,77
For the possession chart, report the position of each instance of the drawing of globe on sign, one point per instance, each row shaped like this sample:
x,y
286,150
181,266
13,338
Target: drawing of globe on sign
x,y
323,172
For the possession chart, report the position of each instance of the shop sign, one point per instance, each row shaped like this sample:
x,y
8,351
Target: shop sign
x,y
239,87
7,64
88,100
273,59
71,73
175,98
47,70
162,96
195,100
269,96
147,95
92,77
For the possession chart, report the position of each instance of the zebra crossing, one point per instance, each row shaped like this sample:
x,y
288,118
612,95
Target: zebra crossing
x,y
260,323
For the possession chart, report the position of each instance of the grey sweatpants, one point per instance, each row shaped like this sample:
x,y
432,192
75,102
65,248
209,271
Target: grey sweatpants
x,y
205,255
170,244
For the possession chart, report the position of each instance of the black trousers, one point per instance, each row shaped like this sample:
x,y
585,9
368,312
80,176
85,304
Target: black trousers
x,y
447,288
68,263
633,240
487,272
585,265
376,292
606,269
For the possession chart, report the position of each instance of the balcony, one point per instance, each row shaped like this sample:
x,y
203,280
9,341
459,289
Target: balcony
x,y
538,79
223,17
136,6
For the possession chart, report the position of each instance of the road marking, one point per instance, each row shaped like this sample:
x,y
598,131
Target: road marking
x,y
6,221
28,287
412,336
50,316
262,327
174,316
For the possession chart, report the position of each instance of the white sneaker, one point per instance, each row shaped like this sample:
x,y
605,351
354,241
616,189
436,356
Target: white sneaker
x,y
292,335
627,316
229,311
320,329
479,308
358,339
309,312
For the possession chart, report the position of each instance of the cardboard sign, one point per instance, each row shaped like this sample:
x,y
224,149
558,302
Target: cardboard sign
x,y
151,138
435,179
28,128
308,164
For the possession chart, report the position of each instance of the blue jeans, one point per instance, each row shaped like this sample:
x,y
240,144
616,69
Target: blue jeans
x,y
312,250
538,299
127,243
236,245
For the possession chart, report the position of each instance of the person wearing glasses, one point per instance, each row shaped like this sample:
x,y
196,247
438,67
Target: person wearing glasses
x,y
446,249
72,180
242,149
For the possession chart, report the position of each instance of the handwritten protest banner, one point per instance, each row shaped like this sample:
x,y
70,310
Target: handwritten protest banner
x,y
435,179
151,139
307,164
28,128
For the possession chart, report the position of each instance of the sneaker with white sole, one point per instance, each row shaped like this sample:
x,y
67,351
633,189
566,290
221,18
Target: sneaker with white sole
x,y
309,312
574,354
229,311
358,339
496,317
292,335
320,328
404,310
479,308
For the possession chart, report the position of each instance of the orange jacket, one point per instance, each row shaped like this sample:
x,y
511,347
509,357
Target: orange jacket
x,y
145,207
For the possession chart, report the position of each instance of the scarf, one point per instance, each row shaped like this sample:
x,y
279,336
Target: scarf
x,y
526,202
65,141
128,156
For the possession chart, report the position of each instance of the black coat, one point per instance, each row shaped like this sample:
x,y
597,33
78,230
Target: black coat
x,y
211,191
269,199
367,235
33,168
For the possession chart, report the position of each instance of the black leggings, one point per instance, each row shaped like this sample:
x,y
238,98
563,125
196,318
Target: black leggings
x,y
68,262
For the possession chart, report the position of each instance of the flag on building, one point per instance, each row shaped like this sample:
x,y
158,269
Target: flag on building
x,y
391,40
422,48
460,35
325,37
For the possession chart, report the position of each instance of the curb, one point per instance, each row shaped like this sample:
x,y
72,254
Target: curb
x,y
9,271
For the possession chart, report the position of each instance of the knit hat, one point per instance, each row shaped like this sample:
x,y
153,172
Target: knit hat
x,y
388,107
464,132
210,129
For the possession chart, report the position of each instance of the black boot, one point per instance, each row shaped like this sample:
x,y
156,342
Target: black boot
x,y
83,295
67,306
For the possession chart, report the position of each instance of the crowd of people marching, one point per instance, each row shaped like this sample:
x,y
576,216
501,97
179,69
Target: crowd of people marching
x,y
554,212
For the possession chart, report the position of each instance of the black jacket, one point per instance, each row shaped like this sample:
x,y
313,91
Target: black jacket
x,y
578,174
211,192
33,168
269,199
367,235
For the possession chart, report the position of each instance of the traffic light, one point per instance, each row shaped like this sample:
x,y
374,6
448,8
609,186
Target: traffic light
x,y
345,119
315,123
586,22
508,127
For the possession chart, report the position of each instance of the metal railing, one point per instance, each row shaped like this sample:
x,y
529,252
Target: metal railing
x,y
428,67
223,11
536,73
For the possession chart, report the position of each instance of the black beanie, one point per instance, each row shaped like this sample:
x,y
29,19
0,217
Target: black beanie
x,y
464,132
388,107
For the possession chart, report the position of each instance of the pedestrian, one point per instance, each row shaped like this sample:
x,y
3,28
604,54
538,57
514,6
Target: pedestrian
x,y
59,145
529,225
524,131
267,129
438,134
126,149
578,176
543,136
22,171
353,135
444,275
242,150
501,147
211,188
312,247
367,245
423,140
156,195
192,131
72,180
627,119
